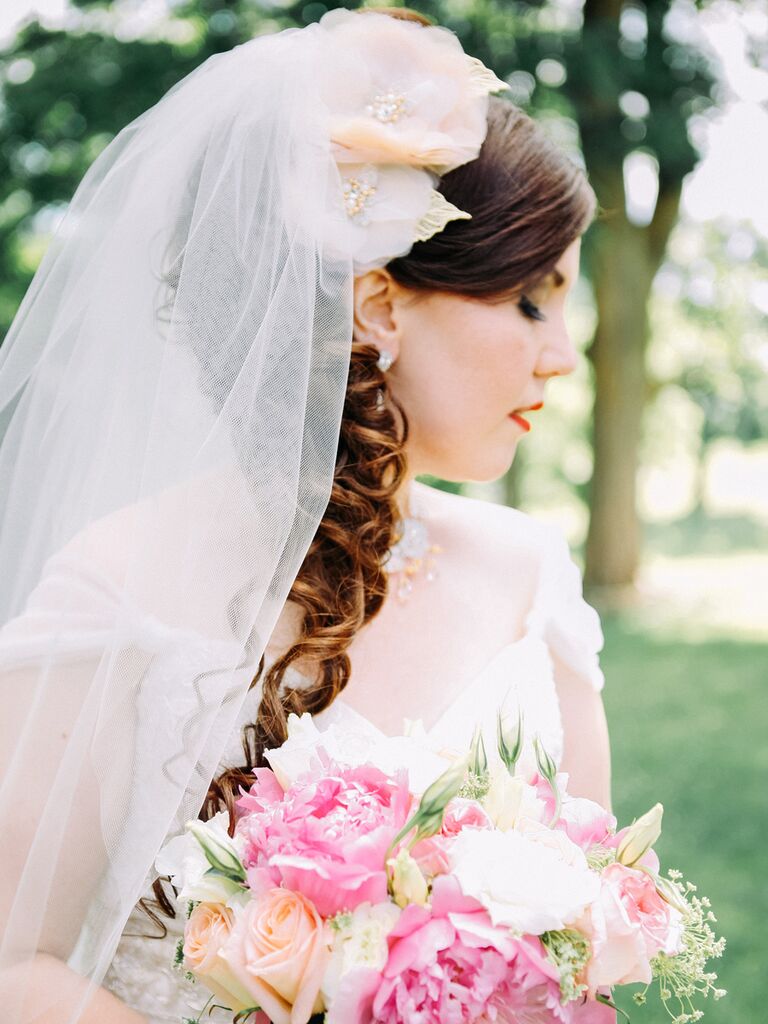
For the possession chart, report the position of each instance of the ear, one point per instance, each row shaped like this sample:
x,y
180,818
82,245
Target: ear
x,y
375,306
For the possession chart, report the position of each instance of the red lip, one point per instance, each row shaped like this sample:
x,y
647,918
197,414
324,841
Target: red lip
x,y
520,421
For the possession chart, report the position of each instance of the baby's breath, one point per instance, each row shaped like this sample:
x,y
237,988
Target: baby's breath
x,y
340,921
598,857
475,786
569,951
683,976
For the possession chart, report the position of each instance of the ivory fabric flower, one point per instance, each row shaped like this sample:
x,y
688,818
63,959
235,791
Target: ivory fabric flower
x,y
278,951
402,93
379,211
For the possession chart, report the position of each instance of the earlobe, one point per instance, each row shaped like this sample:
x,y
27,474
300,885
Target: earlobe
x,y
375,311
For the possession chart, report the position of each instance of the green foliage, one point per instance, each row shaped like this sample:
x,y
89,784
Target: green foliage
x,y
65,95
708,327
674,709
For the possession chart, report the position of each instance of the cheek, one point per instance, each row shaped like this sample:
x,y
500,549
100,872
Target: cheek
x,y
458,381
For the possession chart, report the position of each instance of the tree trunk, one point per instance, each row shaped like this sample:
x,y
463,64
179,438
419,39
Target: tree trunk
x,y
625,261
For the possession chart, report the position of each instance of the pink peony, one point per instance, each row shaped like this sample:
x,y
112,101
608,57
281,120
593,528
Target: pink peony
x,y
444,964
432,854
586,823
530,993
628,925
326,836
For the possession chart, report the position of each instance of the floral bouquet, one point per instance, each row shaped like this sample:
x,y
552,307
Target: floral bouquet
x,y
377,882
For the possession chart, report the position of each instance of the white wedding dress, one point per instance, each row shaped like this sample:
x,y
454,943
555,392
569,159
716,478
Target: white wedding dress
x,y
559,623
559,629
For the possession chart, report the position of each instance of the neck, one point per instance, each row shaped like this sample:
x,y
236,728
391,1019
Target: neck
x,y
403,496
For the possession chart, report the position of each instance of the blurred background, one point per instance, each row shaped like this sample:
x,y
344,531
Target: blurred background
x,y
654,456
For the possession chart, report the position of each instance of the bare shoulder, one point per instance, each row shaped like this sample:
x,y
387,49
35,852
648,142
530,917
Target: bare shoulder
x,y
165,551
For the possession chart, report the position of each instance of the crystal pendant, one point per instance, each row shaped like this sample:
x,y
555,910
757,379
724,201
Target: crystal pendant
x,y
411,556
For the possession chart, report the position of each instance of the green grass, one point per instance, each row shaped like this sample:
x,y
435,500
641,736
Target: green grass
x,y
688,727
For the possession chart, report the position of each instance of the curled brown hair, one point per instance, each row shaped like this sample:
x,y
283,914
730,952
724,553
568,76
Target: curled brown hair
x,y
527,202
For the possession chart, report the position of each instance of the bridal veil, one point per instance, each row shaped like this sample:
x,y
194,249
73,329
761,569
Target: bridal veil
x,y
170,398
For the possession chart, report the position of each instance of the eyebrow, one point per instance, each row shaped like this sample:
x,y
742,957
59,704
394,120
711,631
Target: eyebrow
x,y
558,278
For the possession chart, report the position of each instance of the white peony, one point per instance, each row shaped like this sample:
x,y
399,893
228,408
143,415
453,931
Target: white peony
x,y
525,882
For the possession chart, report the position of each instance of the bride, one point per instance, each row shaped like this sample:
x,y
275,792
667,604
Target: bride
x,y
326,263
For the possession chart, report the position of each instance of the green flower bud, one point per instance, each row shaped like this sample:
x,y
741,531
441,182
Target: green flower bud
x,y
437,797
428,818
509,741
671,894
547,767
219,850
478,759
640,837
407,882
548,770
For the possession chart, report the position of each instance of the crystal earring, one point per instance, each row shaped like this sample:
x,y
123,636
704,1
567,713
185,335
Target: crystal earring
x,y
385,360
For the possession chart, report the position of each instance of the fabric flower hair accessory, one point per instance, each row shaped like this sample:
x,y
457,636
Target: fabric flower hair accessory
x,y
406,105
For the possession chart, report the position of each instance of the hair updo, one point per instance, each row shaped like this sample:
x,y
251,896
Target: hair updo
x,y
528,202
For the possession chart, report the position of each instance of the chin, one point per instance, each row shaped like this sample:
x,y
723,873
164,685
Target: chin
x,y
478,468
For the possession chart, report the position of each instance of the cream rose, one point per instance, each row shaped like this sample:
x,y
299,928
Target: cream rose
x,y
208,928
278,950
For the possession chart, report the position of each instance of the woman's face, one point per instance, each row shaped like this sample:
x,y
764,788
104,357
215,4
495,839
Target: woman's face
x,y
466,370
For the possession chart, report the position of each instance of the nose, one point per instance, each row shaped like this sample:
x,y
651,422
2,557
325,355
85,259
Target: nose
x,y
558,355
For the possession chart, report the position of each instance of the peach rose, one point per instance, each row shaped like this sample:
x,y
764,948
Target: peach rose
x,y
208,928
278,950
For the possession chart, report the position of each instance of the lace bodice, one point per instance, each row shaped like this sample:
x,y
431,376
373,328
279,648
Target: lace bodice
x,y
559,625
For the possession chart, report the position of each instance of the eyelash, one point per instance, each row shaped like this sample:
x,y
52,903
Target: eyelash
x,y
530,309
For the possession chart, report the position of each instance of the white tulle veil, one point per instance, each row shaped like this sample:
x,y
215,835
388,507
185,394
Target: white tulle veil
x,y
170,398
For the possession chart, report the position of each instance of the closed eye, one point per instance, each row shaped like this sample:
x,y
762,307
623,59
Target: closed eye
x,y
529,309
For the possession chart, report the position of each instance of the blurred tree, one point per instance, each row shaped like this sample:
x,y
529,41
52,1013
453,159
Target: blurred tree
x,y
66,94
621,76
708,328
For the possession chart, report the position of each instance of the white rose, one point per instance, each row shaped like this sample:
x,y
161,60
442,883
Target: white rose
x,y
523,882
